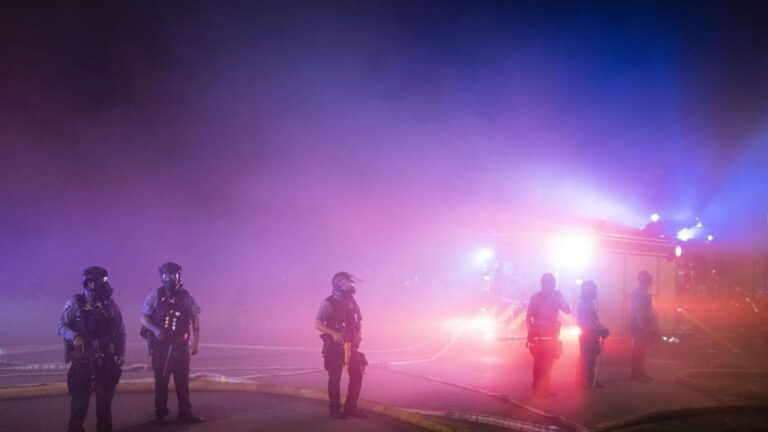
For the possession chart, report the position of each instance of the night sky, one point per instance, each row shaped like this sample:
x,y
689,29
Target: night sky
x,y
267,145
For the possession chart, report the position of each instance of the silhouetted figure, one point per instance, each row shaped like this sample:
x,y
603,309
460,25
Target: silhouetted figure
x,y
339,320
592,332
642,325
168,315
544,332
94,340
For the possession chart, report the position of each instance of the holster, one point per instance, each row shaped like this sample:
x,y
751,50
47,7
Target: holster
x,y
362,360
333,349
150,338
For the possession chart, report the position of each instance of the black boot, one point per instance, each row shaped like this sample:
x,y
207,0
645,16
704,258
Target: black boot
x,y
189,418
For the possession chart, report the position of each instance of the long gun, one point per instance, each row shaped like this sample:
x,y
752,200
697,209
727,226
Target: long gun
x,y
351,341
96,364
347,354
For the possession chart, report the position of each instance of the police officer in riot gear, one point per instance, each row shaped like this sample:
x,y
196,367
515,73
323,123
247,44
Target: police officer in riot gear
x,y
94,339
339,321
544,332
642,326
593,332
172,327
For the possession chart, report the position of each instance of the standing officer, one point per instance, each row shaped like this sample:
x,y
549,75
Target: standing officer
x,y
544,332
592,331
167,316
338,320
642,325
94,340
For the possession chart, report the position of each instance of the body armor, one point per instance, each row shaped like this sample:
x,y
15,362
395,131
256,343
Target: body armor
x,y
93,321
172,315
343,319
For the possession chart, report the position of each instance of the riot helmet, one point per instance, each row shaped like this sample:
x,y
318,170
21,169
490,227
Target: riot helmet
x,y
589,290
95,282
644,279
344,283
170,275
548,282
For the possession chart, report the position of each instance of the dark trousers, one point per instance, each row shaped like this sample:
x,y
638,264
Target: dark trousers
x,y
639,348
334,363
79,383
544,355
589,350
178,367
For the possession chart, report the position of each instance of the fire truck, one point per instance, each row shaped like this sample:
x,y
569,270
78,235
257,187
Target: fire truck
x,y
514,265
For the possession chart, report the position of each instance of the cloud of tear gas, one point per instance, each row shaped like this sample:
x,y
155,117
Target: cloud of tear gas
x,y
266,147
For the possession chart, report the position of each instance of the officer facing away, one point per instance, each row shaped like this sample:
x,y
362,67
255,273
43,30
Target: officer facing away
x,y
338,320
168,315
642,325
592,332
94,340
544,332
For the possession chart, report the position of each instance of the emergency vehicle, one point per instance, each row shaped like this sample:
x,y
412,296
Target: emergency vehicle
x,y
514,266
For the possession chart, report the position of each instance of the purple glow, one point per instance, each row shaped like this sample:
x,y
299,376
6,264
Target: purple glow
x,y
265,147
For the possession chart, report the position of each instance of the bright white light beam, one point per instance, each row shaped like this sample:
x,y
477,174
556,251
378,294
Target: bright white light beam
x,y
483,256
573,251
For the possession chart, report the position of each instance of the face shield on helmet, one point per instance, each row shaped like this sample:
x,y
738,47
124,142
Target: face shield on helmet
x,y
95,282
344,283
170,275
548,282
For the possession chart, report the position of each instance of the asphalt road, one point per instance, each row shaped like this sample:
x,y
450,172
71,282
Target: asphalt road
x,y
449,374
233,412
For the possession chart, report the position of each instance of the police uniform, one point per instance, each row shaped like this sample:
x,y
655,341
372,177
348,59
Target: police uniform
x,y
643,330
342,314
543,335
173,312
589,339
99,323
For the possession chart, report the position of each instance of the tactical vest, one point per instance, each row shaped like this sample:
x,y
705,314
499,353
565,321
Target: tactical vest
x,y
343,318
93,321
172,314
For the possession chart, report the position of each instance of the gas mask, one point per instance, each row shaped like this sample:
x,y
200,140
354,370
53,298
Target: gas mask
x,y
344,284
171,281
96,284
170,275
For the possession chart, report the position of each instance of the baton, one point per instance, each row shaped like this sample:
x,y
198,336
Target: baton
x,y
597,363
167,361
